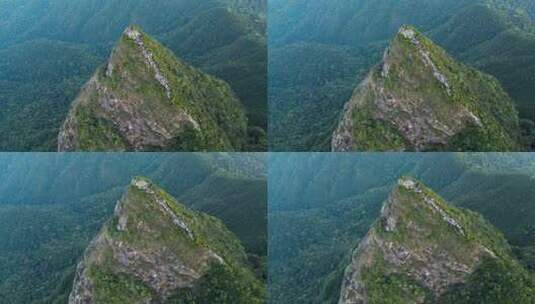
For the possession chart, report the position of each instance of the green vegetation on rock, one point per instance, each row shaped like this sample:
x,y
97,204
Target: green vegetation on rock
x,y
420,98
421,248
145,99
156,249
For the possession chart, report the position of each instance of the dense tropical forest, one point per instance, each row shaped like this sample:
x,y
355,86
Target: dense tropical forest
x,y
49,49
335,198
52,205
321,50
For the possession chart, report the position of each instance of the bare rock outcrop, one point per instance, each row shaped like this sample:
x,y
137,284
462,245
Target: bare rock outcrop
x,y
421,244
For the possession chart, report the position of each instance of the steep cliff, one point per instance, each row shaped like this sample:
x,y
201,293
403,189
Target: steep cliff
x,y
421,250
155,250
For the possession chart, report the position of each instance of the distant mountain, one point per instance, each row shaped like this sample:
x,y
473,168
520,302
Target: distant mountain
x,y
50,49
95,21
353,22
156,250
145,99
494,36
301,20
423,250
420,99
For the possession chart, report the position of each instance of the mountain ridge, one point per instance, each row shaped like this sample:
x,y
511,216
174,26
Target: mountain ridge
x,y
419,98
421,250
155,249
147,99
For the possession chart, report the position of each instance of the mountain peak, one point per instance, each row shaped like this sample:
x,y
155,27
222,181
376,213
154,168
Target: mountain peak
x,y
408,183
420,247
420,99
156,196
146,99
135,34
410,40
414,194
132,31
408,32
155,249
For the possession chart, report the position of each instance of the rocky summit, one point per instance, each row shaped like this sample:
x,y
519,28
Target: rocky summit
x,y
422,250
145,99
420,99
155,250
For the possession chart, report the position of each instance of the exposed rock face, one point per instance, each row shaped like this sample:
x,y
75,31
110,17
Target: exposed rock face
x,y
421,244
137,129
145,99
154,243
145,186
135,35
420,99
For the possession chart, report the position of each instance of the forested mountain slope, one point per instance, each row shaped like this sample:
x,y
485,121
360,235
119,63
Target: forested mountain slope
x,y
54,204
192,30
494,36
335,199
